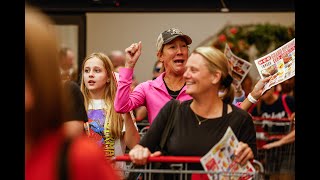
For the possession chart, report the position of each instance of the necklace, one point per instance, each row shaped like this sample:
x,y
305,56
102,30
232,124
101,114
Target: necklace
x,y
200,121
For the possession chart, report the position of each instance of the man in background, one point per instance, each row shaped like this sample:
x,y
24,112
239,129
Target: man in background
x,y
117,58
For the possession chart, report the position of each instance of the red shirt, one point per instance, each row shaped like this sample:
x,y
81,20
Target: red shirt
x,y
85,160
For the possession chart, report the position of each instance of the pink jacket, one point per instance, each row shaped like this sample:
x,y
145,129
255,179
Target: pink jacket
x,y
153,94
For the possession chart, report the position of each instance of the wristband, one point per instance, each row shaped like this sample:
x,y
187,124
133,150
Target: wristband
x,y
252,99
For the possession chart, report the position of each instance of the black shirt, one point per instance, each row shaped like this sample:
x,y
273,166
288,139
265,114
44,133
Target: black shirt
x,y
188,138
75,102
275,110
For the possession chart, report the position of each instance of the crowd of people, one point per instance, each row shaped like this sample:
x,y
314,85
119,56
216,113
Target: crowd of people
x,y
88,117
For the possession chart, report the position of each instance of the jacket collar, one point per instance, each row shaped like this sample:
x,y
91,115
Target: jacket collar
x,y
159,83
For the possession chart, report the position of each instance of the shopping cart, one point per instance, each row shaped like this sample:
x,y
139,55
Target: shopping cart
x,y
143,131
143,127
279,161
178,167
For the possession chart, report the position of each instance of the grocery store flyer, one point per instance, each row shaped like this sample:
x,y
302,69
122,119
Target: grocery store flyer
x,y
220,160
240,67
280,64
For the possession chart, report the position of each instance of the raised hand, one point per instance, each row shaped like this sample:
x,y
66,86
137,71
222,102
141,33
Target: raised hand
x,y
258,88
133,53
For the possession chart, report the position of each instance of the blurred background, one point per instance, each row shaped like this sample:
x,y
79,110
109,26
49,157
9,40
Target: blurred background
x,y
251,28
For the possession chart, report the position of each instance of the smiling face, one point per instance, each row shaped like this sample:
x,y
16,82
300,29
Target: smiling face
x,y
95,77
197,75
174,56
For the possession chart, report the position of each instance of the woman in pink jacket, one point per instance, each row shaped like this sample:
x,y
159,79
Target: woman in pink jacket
x,y
173,52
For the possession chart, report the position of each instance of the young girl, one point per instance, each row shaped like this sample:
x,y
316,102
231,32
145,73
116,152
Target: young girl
x,y
112,131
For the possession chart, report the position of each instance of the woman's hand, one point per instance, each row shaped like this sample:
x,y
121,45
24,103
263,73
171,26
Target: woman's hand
x,y
289,138
258,88
133,53
243,153
139,154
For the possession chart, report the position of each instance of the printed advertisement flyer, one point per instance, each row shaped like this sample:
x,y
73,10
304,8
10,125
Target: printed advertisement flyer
x,y
220,160
240,67
279,64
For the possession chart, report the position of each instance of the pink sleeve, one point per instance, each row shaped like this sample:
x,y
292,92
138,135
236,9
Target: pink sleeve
x,y
238,104
126,100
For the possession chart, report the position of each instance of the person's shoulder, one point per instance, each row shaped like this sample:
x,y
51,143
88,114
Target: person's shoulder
x,y
71,85
73,89
156,82
172,102
177,103
239,112
146,84
186,102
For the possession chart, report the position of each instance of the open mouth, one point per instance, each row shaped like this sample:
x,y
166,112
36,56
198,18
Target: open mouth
x,y
91,82
179,61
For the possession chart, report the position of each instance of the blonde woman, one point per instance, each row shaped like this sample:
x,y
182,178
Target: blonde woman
x,y
202,121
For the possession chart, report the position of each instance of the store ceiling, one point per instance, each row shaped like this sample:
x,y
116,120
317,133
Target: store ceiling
x,y
164,5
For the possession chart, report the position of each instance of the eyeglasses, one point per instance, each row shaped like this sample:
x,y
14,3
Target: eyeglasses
x,y
157,69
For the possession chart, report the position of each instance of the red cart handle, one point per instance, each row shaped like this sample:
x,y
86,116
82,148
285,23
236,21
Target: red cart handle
x,y
257,118
167,159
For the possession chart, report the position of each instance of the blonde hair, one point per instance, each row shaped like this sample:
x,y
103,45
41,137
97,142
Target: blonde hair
x,y
116,119
217,61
